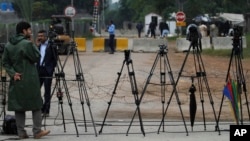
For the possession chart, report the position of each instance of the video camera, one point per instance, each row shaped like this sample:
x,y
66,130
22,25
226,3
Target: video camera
x,y
194,36
162,47
57,35
55,30
193,33
237,31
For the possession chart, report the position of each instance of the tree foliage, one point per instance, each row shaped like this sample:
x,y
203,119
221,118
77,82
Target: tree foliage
x,y
25,8
135,10
131,10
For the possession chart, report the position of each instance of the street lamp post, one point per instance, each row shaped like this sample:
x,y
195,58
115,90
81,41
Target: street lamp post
x,y
73,27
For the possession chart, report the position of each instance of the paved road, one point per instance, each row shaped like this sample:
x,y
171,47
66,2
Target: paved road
x,y
100,72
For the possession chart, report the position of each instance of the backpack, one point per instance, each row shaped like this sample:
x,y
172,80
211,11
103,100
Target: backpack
x,y
9,125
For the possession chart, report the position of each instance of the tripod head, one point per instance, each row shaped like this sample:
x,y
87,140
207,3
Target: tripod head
x,y
194,36
127,55
237,40
163,48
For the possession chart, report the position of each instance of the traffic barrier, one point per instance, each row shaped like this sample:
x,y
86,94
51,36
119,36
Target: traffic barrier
x,y
121,44
218,43
147,44
226,42
183,44
102,44
81,44
98,44
106,45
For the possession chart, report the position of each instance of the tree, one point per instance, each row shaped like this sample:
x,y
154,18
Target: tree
x,y
25,8
42,10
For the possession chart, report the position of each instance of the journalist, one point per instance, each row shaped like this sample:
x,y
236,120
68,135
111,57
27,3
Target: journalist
x,y
45,67
19,58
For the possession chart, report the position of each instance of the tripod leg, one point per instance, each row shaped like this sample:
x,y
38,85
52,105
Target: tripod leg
x,y
61,103
163,82
70,104
241,85
111,99
4,93
82,88
174,91
61,77
176,95
147,82
227,79
135,93
202,78
52,93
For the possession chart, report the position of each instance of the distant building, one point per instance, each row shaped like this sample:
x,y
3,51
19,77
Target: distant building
x,y
152,17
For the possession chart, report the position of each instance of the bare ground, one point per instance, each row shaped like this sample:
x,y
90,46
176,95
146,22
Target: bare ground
x,y
209,102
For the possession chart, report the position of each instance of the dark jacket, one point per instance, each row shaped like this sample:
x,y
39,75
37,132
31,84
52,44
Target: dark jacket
x,y
50,58
20,55
139,26
163,26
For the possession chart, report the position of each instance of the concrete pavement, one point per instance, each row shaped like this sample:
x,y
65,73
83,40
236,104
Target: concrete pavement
x,y
100,72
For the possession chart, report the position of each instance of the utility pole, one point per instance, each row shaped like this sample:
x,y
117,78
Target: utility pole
x,y
103,14
95,16
73,27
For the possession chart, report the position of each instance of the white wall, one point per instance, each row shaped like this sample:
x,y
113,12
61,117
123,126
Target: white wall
x,y
172,27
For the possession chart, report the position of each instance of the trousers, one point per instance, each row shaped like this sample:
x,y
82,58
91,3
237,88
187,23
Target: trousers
x,y
20,122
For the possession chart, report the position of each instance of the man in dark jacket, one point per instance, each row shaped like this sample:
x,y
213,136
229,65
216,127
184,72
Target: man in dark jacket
x,y
164,29
46,67
152,27
19,58
139,27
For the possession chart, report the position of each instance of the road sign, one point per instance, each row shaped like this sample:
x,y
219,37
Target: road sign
x,y
96,3
70,11
180,16
180,23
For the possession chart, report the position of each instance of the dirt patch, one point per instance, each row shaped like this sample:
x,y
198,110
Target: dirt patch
x,y
208,103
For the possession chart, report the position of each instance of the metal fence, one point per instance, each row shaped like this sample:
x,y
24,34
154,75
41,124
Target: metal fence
x,y
78,29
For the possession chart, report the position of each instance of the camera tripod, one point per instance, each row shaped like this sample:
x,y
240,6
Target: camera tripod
x,y
61,84
128,61
235,66
81,85
3,91
195,44
165,69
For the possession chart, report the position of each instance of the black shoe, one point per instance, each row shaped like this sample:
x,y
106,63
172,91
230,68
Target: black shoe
x,y
111,52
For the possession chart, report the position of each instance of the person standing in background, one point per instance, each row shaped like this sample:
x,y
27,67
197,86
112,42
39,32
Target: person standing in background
x,y
19,60
152,27
46,67
139,28
164,29
111,30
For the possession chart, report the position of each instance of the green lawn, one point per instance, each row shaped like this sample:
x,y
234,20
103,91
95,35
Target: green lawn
x,y
227,53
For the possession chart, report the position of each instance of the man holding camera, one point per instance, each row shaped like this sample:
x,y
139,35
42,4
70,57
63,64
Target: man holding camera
x,y
46,66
